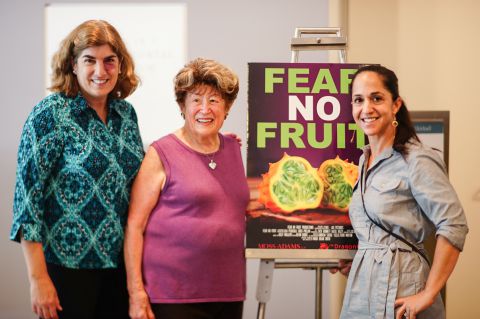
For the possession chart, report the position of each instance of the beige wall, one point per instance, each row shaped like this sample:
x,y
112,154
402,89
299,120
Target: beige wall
x,y
434,47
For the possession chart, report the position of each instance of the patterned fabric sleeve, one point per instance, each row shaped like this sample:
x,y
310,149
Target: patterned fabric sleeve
x,y
137,129
130,132
437,198
40,147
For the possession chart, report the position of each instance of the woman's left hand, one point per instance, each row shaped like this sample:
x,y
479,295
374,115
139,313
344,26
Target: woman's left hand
x,y
409,307
235,136
444,260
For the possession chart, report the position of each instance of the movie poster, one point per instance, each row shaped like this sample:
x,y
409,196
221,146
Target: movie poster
x,y
302,157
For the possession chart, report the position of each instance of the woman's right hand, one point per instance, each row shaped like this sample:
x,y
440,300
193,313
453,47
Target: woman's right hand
x,y
140,306
44,299
344,266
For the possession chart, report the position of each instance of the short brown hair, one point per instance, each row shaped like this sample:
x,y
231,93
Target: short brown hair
x,y
89,34
203,71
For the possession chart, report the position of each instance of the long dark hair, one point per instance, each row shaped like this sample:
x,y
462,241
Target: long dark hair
x,y
405,129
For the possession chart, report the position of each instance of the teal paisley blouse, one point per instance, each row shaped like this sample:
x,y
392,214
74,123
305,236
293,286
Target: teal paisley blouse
x,y
73,180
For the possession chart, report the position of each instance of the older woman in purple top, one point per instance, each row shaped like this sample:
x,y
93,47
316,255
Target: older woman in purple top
x,y
184,242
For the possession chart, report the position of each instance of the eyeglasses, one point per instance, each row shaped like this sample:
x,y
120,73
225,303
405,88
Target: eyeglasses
x,y
375,99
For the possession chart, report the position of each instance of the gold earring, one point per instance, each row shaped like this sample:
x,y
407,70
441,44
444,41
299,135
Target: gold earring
x,y
182,114
395,122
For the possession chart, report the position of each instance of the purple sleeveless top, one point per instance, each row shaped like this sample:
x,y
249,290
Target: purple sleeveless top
x,y
194,239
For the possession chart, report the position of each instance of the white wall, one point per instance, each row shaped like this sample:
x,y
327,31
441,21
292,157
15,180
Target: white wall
x,y
233,32
433,45
156,36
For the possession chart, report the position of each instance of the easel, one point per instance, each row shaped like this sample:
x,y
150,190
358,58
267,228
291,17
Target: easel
x,y
265,275
336,42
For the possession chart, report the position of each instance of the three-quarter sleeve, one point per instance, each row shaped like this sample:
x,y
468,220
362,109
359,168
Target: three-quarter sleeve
x,y
39,150
137,135
436,196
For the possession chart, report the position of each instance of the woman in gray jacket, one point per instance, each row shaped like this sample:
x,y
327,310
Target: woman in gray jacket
x,y
403,194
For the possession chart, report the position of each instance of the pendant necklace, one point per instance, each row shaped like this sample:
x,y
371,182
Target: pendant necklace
x,y
212,163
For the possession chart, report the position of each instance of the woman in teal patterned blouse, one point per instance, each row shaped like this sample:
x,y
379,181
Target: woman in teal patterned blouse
x,y
79,152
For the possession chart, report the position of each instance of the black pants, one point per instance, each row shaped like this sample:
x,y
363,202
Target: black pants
x,y
203,310
90,293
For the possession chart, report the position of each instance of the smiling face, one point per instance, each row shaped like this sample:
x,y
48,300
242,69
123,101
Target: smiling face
x,y
373,107
204,110
97,71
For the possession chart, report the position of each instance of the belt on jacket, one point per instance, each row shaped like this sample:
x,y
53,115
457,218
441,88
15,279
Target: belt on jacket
x,y
388,260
